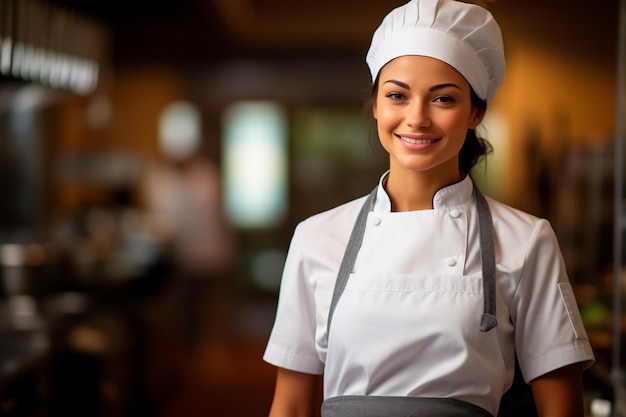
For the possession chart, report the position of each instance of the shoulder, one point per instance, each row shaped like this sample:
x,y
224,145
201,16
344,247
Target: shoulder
x,y
344,214
517,227
510,217
333,225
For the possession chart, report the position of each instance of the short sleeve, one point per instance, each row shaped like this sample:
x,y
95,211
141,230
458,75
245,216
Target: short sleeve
x,y
549,332
291,343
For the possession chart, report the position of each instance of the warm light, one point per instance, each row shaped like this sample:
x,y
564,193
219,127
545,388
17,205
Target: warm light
x,y
180,130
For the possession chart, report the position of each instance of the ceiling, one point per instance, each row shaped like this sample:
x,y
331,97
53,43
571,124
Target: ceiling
x,y
196,32
193,31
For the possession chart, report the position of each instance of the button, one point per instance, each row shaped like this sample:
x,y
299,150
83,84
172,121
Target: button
x,y
455,213
451,262
376,220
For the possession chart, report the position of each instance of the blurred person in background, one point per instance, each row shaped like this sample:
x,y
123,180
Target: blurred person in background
x,y
416,299
184,196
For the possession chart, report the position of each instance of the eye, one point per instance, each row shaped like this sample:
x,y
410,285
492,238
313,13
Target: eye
x,y
444,99
395,96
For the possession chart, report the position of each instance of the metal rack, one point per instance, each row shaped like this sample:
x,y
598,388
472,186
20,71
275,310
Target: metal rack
x,y
617,371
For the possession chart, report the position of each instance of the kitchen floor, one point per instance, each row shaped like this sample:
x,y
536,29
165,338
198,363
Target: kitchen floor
x,y
224,375
224,380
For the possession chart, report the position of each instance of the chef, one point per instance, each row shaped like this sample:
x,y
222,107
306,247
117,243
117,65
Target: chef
x,y
416,299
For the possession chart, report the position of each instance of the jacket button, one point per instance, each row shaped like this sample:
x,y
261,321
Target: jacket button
x,y
455,213
376,220
451,262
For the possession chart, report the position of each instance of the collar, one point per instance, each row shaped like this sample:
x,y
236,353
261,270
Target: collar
x,y
453,195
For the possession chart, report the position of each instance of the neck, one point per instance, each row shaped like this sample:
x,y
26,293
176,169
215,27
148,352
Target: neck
x,y
416,190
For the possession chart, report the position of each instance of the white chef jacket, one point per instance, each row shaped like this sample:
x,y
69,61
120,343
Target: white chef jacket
x,y
408,321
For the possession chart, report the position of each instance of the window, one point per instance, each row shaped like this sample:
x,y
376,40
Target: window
x,y
255,164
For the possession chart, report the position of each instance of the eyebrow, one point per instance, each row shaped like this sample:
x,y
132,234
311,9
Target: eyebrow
x,y
433,88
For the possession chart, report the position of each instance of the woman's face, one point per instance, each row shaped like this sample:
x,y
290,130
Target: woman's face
x,y
423,110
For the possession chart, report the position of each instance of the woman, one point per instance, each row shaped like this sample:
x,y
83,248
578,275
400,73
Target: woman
x,y
416,299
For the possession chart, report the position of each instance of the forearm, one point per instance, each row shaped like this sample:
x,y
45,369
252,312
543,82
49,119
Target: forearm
x,y
559,393
295,394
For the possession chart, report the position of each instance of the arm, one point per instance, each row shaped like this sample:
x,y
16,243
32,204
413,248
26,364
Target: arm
x,y
295,394
559,393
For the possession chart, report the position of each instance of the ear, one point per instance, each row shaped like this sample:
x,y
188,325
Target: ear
x,y
476,117
374,110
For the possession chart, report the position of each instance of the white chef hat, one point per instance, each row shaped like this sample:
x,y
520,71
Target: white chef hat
x,y
463,35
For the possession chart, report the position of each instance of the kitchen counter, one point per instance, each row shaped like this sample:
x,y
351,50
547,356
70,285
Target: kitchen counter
x,y
28,333
24,362
77,352
20,351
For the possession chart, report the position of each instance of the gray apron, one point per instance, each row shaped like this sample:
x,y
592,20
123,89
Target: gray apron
x,y
380,406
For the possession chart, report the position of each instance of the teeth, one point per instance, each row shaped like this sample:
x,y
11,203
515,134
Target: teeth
x,y
418,141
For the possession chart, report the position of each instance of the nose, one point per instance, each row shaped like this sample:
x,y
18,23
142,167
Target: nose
x,y
417,115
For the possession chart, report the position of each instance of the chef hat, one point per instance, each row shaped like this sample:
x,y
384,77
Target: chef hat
x,y
463,35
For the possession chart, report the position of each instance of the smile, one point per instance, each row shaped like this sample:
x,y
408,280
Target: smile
x,y
418,141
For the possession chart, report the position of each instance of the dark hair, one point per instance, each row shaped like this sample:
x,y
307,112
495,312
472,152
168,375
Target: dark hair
x,y
474,148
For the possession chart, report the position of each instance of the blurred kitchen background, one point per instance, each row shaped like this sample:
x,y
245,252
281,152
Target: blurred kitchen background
x,y
155,157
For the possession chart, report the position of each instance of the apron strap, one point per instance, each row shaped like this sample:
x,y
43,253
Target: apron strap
x,y
487,255
349,256
488,259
